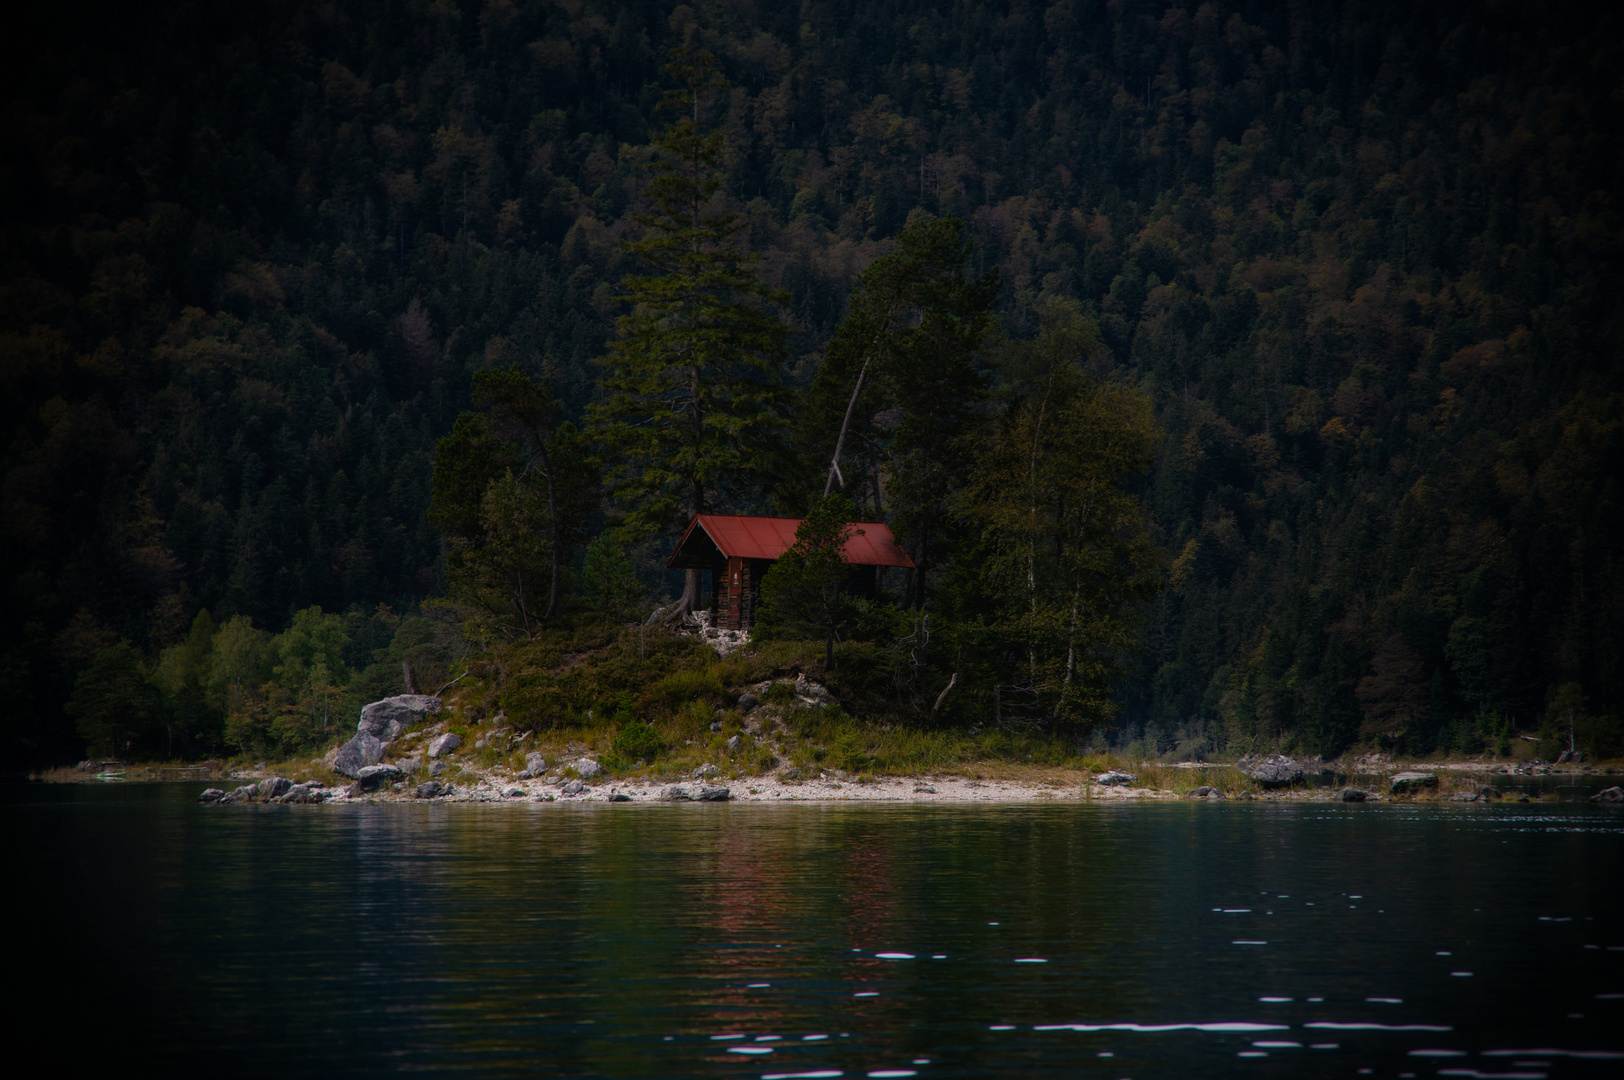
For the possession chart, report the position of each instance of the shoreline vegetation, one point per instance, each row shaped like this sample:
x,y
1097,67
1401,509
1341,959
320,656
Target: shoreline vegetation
x,y
643,714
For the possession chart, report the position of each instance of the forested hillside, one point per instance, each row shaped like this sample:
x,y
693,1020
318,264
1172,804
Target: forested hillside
x,y
1363,258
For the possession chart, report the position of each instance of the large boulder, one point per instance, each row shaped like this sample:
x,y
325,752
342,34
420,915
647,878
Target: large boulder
x,y
1353,794
1609,795
705,771
375,777
357,754
1274,771
441,745
1408,783
211,795
432,790
312,792
535,763
589,769
1115,778
274,787
385,720
710,793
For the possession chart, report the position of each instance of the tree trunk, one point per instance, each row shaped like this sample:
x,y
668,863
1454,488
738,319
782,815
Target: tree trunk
x,y
552,536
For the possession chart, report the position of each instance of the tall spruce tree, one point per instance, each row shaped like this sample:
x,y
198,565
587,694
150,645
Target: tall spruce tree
x,y
692,382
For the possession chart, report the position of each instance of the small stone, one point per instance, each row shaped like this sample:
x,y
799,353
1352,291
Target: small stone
x,y
442,745
514,793
716,725
1608,795
747,702
619,796
705,770
733,744
573,787
545,798
211,795
589,769
534,763
374,777
1352,794
480,744
1408,783
924,789
1115,778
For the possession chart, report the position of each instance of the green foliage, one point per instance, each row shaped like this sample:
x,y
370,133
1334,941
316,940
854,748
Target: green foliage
x,y
691,381
250,276
609,582
637,743
1066,560
805,592
115,707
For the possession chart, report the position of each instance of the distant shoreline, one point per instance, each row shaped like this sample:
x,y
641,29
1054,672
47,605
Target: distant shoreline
x,y
994,783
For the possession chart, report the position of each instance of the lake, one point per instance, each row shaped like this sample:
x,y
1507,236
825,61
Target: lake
x,y
1131,940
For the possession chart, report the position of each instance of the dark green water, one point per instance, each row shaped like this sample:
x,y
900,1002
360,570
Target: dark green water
x,y
663,940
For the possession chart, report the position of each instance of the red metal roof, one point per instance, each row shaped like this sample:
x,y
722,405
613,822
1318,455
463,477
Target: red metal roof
x,y
740,537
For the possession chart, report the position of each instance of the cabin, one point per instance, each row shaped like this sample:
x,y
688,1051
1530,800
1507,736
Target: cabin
x,y
738,550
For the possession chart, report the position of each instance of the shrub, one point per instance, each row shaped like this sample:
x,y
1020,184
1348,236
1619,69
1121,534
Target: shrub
x,y
637,742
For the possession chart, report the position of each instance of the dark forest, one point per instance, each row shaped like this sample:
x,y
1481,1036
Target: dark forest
x,y
1357,263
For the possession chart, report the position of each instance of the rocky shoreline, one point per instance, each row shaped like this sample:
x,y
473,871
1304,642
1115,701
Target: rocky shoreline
x,y
427,762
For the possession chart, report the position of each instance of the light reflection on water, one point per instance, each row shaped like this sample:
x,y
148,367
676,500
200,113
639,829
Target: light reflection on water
x,y
743,941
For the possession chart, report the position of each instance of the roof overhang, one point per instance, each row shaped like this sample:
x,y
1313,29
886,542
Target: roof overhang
x,y
715,538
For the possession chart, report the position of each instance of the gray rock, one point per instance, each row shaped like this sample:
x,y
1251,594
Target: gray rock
x,y
524,774
274,787
374,777
211,795
1609,795
545,798
1408,783
1352,794
1245,796
924,789
733,744
441,745
515,793
619,796
410,765
534,763
716,725
437,768
304,793
748,702
1115,778
704,771
675,793
793,776
357,754
431,790
1488,792
1464,796
573,787
708,793
811,693
246,793
1276,770
589,769
1206,792
480,744
385,720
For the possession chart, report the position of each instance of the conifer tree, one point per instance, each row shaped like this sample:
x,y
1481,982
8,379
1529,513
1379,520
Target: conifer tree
x,y
691,384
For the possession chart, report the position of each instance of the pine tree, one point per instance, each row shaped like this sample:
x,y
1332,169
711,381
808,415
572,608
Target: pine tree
x,y
692,383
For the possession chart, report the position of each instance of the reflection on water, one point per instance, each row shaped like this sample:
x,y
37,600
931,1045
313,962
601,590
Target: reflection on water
x,y
825,940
